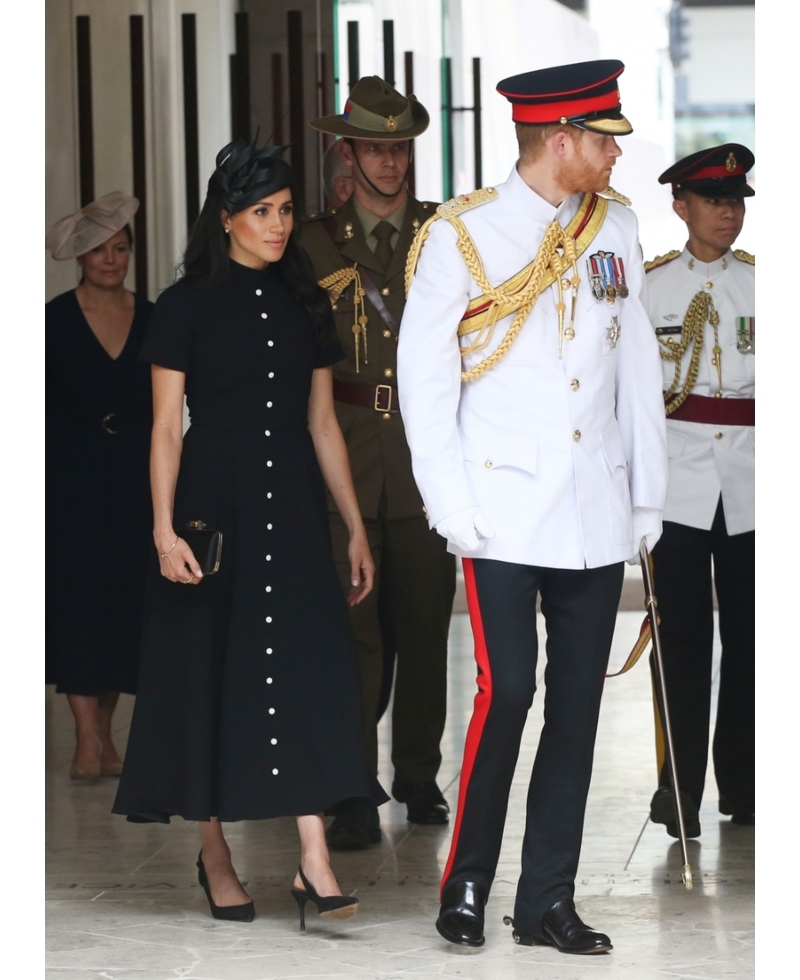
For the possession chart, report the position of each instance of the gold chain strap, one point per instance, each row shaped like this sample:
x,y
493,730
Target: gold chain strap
x,y
336,283
701,309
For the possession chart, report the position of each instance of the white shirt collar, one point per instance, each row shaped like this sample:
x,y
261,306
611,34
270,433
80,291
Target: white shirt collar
x,y
529,203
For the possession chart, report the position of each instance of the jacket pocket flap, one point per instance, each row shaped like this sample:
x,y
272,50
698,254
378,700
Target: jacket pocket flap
x,y
612,448
491,448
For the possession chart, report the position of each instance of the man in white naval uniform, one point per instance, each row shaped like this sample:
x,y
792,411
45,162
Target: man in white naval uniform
x,y
702,305
536,426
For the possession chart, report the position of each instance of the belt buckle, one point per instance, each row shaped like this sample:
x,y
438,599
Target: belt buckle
x,y
106,427
380,408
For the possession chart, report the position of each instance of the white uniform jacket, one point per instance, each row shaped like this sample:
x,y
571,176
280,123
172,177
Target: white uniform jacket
x,y
709,460
554,452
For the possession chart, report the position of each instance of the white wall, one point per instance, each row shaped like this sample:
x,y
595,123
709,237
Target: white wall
x,y
721,63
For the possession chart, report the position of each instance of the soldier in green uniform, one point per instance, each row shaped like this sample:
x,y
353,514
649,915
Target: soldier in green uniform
x,y
359,253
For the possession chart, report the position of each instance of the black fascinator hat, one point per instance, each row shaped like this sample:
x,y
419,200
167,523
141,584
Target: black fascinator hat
x,y
246,173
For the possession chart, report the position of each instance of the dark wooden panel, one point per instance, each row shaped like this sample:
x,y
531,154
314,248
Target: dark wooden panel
x,y
190,121
297,116
278,111
478,128
408,58
241,124
353,59
138,141
388,52
85,123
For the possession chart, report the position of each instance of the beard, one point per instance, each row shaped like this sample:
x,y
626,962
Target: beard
x,y
580,176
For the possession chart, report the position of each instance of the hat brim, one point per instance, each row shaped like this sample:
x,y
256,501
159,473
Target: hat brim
x,y
337,126
709,189
610,126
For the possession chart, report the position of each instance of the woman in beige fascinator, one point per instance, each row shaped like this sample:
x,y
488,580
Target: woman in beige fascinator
x,y
99,414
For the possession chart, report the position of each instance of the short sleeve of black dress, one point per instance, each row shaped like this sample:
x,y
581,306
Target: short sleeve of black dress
x,y
169,338
328,349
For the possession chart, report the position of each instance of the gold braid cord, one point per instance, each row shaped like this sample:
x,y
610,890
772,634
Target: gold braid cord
x,y
701,309
335,284
547,260
416,247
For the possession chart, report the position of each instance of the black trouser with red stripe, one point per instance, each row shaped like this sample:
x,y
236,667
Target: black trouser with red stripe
x,y
682,565
580,608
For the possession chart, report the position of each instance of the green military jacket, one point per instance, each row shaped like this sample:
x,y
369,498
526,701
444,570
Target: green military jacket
x,y
379,456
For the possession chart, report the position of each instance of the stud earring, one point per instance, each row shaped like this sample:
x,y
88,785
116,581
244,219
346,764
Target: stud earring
x,y
227,231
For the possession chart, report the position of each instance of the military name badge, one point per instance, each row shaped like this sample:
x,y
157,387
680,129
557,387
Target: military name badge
x,y
746,334
607,276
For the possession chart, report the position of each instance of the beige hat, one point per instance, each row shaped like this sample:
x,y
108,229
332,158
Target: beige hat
x,y
91,226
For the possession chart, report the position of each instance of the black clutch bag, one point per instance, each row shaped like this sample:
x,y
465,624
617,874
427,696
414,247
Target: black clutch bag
x,y
206,545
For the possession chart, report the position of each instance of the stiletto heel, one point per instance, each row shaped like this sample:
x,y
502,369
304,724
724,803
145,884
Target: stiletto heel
x,y
231,913
301,898
328,906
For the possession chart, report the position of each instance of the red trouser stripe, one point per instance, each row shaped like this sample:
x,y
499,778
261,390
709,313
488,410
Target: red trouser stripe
x,y
480,711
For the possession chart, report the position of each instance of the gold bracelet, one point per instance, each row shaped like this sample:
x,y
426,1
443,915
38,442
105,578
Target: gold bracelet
x,y
167,552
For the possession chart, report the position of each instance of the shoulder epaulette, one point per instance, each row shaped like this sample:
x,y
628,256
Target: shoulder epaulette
x,y
743,256
615,196
660,260
319,215
464,202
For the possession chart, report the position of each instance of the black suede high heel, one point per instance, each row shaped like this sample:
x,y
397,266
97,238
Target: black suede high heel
x,y
328,906
231,913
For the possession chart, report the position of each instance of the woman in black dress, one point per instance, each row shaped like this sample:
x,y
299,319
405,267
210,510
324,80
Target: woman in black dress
x,y
98,420
248,705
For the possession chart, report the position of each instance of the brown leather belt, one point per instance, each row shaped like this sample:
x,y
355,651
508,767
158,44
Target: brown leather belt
x,y
716,411
381,398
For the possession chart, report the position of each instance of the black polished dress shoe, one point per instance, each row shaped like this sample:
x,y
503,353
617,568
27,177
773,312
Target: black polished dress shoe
x,y
744,815
461,914
562,927
662,810
354,829
424,801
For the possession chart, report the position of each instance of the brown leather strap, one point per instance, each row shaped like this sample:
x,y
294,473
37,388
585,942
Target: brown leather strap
x,y
372,291
381,398
716,411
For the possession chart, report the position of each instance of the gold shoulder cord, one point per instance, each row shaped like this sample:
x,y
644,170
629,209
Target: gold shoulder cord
x,y
701,309
743,256
557,253
335,284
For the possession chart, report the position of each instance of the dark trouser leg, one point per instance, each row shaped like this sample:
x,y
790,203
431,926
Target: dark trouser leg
x,y
421,583
366,629
580,609
734,732
682,566
502,607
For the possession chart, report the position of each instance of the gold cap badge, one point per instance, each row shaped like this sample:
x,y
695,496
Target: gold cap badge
x,y
390,124
730,162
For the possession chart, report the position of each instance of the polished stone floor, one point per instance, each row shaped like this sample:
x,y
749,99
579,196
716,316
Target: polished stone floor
x,y
124,902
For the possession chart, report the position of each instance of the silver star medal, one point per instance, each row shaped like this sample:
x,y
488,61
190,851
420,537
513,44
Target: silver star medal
x,y
612,332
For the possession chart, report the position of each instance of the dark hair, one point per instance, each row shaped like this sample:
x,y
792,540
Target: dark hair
x,y
206,260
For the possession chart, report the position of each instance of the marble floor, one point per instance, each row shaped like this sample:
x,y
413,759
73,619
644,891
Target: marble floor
x,y
123,902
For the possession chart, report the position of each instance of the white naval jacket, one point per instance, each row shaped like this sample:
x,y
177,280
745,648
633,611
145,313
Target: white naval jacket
x,y
554,452
709,460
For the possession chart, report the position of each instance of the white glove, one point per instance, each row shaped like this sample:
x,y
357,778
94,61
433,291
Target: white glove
x,y
465,529
647,525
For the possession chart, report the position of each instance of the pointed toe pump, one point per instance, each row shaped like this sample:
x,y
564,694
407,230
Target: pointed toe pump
x,y
231,913
328,906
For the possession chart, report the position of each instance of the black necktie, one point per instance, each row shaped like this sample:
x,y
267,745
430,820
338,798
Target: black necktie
x,y
383,231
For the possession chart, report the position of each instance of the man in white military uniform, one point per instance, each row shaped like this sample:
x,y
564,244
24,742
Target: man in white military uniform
x,y
702,305
530,383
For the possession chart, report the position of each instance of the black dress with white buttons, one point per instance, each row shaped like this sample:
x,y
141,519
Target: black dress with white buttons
x,y
248,703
